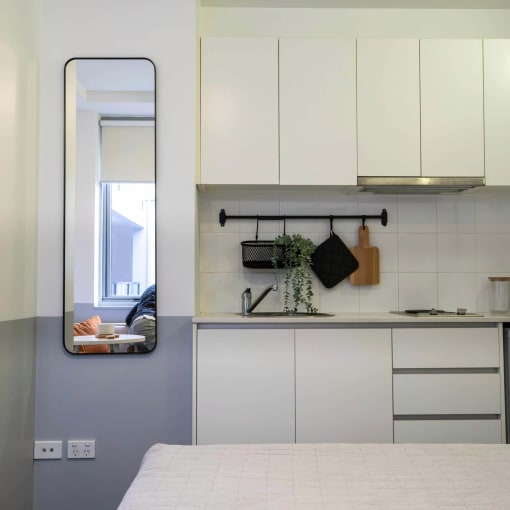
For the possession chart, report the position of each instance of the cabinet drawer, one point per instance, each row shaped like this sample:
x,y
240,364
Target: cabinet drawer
x,y
445,348
446,394
448,431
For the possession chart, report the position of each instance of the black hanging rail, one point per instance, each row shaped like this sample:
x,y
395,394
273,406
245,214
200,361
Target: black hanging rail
x,y
363,217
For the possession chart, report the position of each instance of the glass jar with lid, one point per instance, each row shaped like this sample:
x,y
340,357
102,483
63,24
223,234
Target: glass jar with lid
x,y
499,297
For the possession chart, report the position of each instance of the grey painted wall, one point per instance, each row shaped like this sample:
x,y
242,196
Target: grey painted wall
x,y
17,368
126,403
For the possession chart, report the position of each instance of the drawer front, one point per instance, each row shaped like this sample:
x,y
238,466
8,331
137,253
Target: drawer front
x,y
446,394
448,431
445,347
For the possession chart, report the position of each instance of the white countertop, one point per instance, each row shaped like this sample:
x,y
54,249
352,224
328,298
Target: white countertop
x,y
348,318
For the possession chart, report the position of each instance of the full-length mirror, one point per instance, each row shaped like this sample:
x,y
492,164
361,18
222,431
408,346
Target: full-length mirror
x,y
109,227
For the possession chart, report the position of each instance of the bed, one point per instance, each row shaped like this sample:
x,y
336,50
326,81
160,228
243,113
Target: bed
x,y
322,476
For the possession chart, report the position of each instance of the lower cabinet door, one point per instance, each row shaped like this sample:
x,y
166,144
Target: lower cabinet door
x,y
448,431
245,386
344,385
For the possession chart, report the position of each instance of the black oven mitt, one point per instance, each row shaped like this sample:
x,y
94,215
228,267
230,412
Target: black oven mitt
x,y
332,261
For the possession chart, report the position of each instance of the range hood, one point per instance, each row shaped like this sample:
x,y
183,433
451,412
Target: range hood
x,y
418,185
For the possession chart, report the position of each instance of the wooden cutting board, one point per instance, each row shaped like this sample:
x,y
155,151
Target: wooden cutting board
x,y
368,259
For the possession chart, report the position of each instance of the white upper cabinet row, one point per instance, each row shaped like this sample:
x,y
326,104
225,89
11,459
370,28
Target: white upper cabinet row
x,y
323,111
420,108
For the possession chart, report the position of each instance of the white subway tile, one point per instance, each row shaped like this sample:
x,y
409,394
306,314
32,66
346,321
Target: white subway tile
x,y
456,253
493,253
219,253
417,253
388,250
417,291
219,293
493,215
457,291
456,214
382,297
343,297
417,214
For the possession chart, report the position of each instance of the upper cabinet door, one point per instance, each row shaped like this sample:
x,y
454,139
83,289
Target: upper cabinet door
x,y
388,107
497,111
239,110
318,111
452,108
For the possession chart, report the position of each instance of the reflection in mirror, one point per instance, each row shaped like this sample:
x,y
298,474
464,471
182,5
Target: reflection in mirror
x,y
109,226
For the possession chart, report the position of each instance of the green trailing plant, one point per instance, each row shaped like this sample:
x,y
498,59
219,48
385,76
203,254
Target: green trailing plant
x,y
297,252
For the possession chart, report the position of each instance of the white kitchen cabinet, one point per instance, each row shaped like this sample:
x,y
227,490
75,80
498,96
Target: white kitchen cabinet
x,y
457,393
497,110
348,384
239,110
343,385
388,88
318,111
446,348
448,431
452,134
447,385
245,386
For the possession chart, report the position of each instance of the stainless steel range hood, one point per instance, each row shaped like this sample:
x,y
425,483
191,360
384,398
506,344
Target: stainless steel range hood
x,y
418,185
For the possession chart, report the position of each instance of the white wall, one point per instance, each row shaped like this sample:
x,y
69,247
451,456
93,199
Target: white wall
x,y
18,169
309,22
103,397
18,111
159,30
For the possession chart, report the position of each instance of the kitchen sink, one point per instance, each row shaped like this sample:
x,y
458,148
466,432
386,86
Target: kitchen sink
x,y
287,314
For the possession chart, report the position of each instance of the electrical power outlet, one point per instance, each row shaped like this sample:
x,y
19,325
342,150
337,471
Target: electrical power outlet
x,y
47,449
81,449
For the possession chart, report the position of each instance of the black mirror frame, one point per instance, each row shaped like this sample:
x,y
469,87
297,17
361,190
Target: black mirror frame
x,y
85,355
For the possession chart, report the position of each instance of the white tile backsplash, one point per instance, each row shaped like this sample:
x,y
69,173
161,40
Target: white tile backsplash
x,y
493,253
457,290
435,251
417,291
456,253
417,214
492,215
417,253
374,298
456,214
219,253
342,297
220,292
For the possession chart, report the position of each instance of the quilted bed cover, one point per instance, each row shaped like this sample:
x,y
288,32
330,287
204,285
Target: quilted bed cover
x,y
322,476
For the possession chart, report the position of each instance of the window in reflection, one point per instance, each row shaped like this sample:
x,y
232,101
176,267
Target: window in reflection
x,y
128,254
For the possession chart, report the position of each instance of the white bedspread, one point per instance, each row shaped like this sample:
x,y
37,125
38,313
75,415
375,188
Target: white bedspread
x,y
323,476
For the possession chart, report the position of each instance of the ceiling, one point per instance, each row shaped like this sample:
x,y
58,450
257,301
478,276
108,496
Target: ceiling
x,y
116,86
364,4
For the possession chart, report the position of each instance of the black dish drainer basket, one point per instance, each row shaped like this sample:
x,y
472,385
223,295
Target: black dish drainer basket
x,y
260,254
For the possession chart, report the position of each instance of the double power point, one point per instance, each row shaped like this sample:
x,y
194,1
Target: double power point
x,y
76,449
81,449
